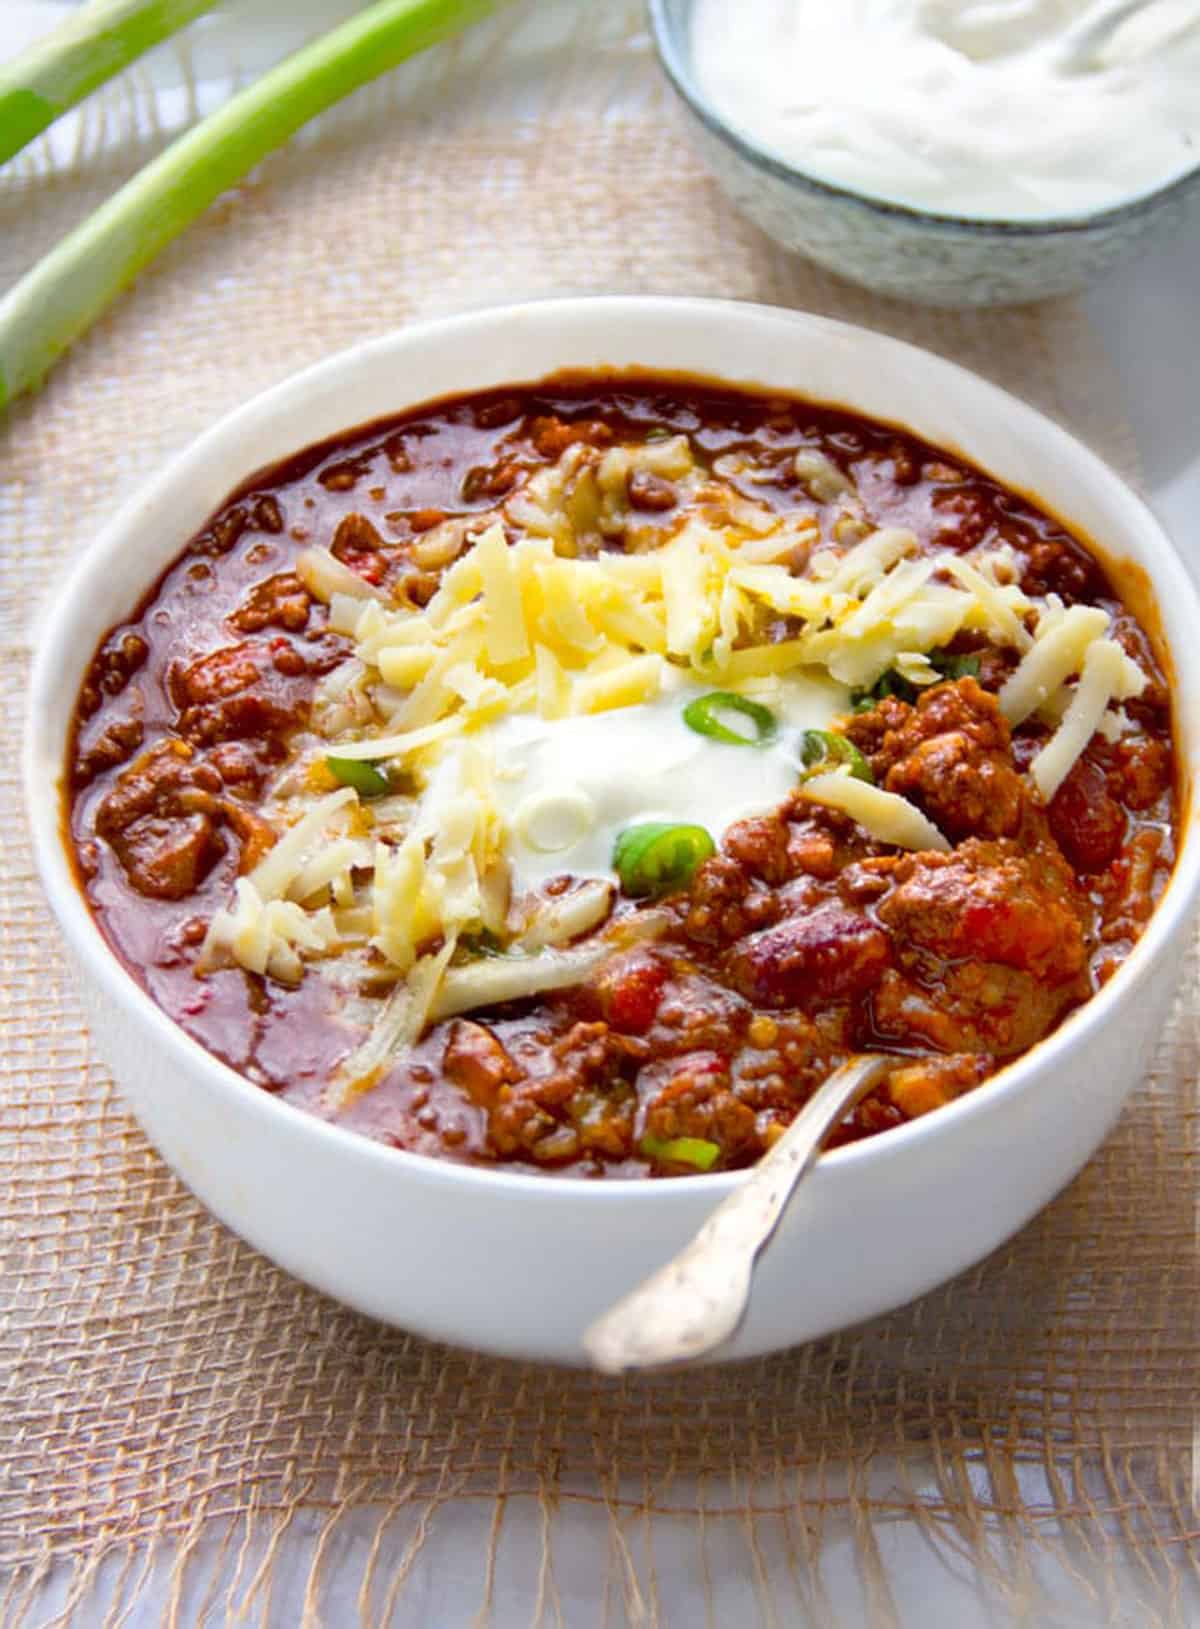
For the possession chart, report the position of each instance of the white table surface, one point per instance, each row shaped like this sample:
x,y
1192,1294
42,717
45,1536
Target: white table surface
x,y
1148,316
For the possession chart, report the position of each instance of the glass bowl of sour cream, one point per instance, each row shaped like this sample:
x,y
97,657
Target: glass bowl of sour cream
x,y
953,152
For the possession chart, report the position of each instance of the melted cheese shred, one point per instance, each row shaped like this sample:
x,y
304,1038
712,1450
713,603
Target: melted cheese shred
x,y
534,706
888,817
1058,652
516,625
1105,677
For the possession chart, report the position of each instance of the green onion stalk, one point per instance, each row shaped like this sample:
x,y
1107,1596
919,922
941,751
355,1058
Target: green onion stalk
x,y
63,295
86,49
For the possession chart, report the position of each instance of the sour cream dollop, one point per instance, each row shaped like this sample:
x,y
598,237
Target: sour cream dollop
x,y
567,788
967,107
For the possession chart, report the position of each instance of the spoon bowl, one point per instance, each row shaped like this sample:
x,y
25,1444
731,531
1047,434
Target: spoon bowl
x,y
693,1305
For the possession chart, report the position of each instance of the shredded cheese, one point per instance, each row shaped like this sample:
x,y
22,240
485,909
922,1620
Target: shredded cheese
x,y
519,624
884,815
405,1015
268,935
998,604
275,874
506,638
558,921
509,978
1103,679
688,571
1058,652
325,576
560,624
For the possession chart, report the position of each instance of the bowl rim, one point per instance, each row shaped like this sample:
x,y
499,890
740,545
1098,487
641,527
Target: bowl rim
x,y
56,652
674,58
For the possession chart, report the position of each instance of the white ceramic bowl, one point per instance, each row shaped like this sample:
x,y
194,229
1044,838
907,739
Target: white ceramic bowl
x,y
520,1264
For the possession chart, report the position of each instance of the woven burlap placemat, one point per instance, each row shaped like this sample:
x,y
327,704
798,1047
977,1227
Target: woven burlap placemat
x,y
188,1435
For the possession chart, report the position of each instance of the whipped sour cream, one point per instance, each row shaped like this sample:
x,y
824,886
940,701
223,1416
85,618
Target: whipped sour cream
x,y
567,788
980,108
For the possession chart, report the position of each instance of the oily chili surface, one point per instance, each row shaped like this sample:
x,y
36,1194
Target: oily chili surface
x,y
799,941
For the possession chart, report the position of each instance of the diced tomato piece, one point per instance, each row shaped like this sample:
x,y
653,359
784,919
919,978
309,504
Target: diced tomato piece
x,y
629,989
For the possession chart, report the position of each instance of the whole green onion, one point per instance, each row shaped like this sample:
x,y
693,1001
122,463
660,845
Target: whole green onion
x,y
50,307
697,1151
704,715
822,750
91,45
656,858
364,777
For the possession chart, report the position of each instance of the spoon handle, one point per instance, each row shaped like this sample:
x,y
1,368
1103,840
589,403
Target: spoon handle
x,y
696,1301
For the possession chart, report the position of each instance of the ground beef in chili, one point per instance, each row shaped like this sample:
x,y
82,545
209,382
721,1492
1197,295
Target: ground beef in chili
x,y
799,941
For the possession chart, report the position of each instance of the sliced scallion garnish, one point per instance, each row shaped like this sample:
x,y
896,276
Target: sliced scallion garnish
x,y
891,683
822,750
711,715
697,1151
656,858
366,779
956,667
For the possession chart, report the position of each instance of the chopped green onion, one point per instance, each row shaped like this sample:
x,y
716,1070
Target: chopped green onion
x,y
888,684
483,943
365,778
956,667
64,294
822,750
656,858
697,1151
704,715
892,683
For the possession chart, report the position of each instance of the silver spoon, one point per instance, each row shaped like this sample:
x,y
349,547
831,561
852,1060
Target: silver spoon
x,y
693,1304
